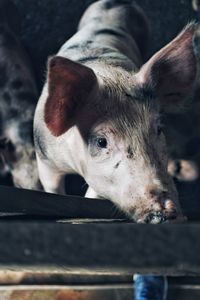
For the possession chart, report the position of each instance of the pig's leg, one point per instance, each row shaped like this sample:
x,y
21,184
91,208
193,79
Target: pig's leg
x,y
91,193
51,179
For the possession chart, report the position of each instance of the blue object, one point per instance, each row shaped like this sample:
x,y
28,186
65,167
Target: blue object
x,y
150,287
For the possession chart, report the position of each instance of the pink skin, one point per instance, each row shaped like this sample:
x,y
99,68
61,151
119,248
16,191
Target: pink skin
x,y
127,176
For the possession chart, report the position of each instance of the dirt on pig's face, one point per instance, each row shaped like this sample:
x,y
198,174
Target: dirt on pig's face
x,y
127,157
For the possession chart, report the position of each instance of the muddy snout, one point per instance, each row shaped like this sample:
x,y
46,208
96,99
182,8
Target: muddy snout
x,y
161,208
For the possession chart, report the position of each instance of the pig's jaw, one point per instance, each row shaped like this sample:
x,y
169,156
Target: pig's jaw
x,y
131,171
144,210
147,211
144,199
154,202
153,211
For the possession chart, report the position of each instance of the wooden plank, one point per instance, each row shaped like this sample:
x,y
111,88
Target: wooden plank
x,y
58,293
124,248
19,203
70,278
84,293
184,292
25,203
122,292
63,278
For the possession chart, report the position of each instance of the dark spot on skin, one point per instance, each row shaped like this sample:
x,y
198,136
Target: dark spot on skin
x,y
7,97
10,154
26,131
112,32
10,147
27,97
78,46
73,47
129,96
16,84
88,43
7,149
114,60
117,164
39,144
33,156
130,152
3,75
87,59
3,143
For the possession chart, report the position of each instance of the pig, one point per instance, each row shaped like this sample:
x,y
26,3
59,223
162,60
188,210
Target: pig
x,y
18,98
99,114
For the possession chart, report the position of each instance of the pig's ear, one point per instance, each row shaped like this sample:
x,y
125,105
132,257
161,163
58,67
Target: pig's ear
x,y
69,86
172,71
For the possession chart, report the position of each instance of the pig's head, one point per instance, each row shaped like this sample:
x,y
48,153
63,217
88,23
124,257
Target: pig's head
x,y
116,115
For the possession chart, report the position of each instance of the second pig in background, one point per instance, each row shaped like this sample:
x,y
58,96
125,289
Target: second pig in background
x,y
18,98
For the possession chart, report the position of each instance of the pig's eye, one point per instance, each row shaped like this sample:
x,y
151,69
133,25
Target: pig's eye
x,y
97,145
101,142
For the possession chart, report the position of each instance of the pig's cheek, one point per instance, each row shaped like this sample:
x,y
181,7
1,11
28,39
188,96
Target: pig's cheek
x,y
99,179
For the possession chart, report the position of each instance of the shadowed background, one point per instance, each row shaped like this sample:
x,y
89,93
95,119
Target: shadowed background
x,y
47,24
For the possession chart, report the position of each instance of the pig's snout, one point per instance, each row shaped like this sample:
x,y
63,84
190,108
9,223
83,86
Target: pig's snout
x,y
160,208
158,217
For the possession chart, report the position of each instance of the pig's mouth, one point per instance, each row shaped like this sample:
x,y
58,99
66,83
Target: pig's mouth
x,y
166,212
158,217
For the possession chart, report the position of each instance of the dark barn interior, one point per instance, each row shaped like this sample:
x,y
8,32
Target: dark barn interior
x,y
45,26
